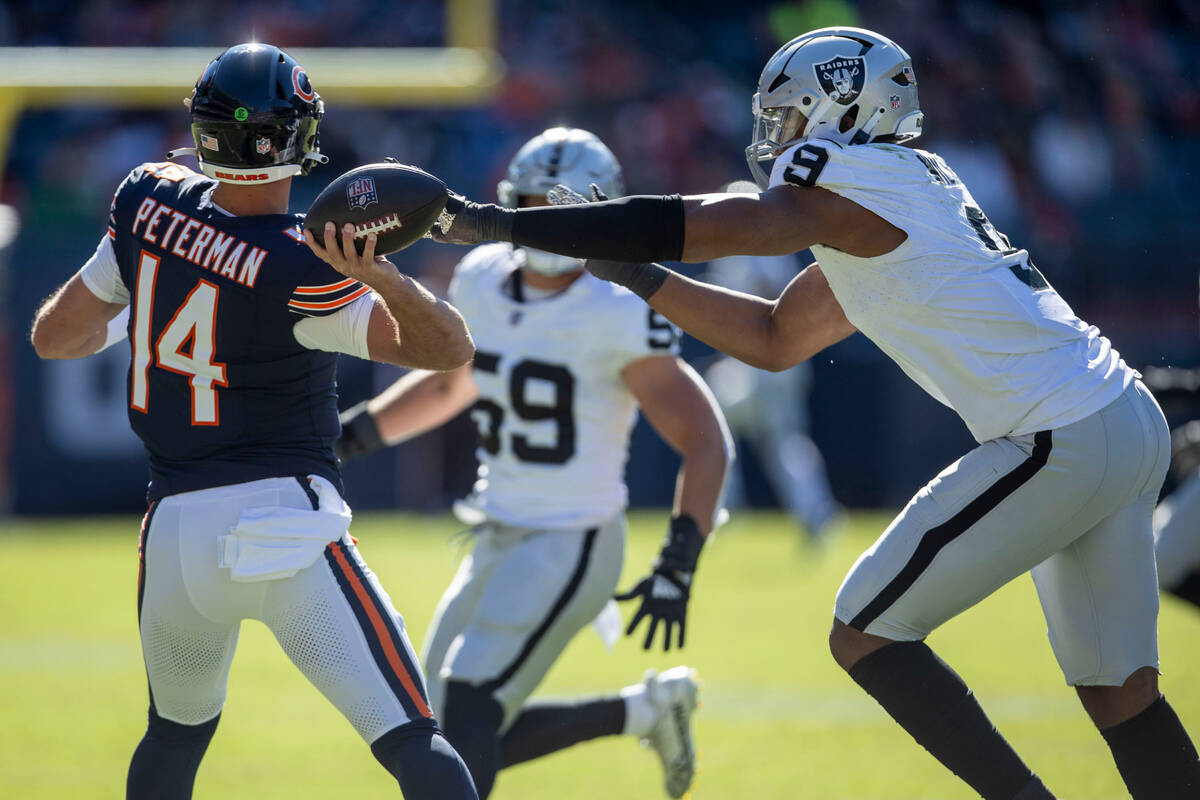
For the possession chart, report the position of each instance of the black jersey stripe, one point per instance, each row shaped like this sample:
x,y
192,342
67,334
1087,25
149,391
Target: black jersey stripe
x,y
934,539
565,597
384,641
143,539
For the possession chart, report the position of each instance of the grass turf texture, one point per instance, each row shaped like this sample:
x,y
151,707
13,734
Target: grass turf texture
x,y
779,720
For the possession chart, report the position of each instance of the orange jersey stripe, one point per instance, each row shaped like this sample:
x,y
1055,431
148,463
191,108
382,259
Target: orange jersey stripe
x,y
332,303
389,647
331,287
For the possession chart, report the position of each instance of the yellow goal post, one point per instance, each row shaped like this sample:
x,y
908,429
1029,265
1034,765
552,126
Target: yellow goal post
x,y
463,72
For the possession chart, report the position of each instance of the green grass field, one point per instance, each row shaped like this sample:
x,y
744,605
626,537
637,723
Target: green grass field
x,y
779,720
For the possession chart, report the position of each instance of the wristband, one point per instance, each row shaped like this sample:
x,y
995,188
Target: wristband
x,y
641,279
360,434
681,548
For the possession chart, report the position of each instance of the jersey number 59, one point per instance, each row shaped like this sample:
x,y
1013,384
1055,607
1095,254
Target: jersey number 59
x,y
489,415
193,322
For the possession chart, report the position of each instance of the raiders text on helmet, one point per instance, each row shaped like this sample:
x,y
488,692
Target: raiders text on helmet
x,y
571,156
847,85
254,117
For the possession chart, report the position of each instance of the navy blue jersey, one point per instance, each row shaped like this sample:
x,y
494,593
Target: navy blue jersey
x,y
220,391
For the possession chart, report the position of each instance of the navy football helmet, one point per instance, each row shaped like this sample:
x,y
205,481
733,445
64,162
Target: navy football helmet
x,y
255,115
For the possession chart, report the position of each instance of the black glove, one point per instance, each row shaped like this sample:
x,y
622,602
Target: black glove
x,y
666,589
464,222
360,434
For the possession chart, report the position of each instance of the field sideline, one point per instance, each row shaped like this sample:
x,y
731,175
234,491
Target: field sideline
x,y
779,719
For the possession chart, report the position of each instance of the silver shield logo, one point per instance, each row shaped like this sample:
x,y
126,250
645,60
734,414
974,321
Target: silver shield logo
x,y
842,78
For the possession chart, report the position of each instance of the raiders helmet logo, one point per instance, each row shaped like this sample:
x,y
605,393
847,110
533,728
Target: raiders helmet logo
x,y
842,78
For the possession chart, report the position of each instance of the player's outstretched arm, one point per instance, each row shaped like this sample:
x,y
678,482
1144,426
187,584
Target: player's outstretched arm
x,y
412,328
683,411
643,228
775,335
418,402
73,322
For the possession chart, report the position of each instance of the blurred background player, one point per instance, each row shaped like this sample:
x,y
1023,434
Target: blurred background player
x,y
769,410
1177,516
563,363
234,331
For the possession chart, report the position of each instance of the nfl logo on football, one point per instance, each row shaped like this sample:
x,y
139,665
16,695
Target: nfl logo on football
x,y
361,192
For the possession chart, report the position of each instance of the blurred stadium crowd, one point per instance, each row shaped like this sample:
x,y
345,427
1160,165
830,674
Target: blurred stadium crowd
x,y
1075,124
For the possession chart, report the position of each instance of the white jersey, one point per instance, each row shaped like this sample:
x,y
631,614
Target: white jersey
x,y
554,415
962,312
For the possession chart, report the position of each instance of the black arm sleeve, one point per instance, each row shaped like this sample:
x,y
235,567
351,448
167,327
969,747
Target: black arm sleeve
x,y
639,229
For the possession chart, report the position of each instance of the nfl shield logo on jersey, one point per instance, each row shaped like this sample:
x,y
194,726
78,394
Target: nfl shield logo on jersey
x,y
361,192
842,78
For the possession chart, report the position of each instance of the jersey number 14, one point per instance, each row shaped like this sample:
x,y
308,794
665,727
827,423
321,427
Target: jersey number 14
x,y
184,347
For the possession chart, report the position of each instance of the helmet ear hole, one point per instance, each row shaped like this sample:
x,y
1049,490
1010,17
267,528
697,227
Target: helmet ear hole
x,y
848,119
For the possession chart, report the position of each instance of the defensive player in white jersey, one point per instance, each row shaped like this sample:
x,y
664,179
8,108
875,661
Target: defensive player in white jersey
x,y
1072,447
769,410
563,362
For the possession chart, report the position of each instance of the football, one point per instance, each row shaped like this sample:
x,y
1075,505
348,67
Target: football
x,y
396,202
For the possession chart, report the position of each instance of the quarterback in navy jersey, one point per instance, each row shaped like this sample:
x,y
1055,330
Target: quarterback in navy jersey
x,y
234,325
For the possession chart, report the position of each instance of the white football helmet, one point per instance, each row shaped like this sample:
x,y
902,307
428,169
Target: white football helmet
x,y
571,156
849,85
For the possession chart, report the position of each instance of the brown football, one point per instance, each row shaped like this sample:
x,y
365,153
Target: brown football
x,y
396,202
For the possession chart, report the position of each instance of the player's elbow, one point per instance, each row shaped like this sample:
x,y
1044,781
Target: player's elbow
x,y
776,357
455,352
48,342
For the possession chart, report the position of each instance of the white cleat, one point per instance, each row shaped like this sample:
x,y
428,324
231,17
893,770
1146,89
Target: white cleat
x,y
673,694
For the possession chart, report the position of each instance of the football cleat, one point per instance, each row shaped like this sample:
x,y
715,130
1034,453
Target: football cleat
x,y
674,695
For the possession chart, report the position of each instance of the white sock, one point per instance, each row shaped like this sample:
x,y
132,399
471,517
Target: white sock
x,y
640,715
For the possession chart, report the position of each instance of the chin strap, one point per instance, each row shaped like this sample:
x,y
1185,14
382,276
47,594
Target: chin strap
x,y
182,151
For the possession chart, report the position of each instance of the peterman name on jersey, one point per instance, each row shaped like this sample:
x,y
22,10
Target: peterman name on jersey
x,y
553,413
220,391
964,313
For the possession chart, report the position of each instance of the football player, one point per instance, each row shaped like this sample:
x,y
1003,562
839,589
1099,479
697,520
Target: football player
x,y
234,330
564,361
1072,447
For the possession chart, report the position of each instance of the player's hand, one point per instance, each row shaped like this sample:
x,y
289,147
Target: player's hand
x,y
665,591
360,434
464,222
344,256
562,195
